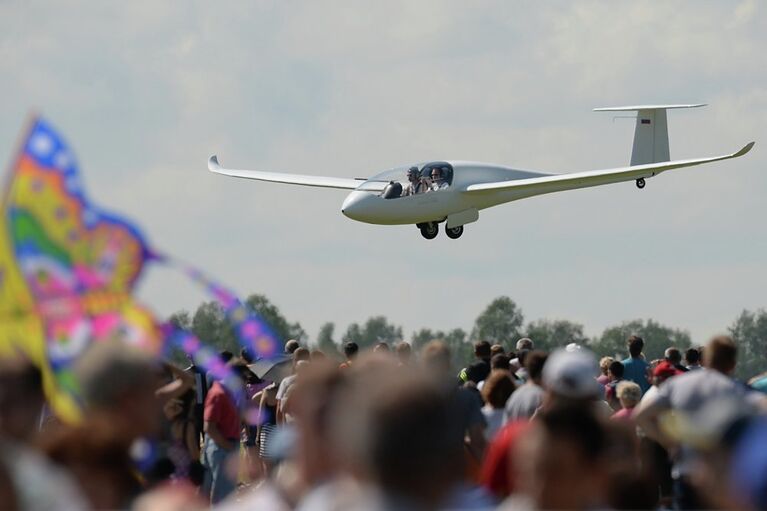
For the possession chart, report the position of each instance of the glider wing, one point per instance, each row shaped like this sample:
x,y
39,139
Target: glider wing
x,y
560,182
291,179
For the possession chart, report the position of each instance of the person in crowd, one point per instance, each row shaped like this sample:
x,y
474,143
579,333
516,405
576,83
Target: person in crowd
x,y
615,374
299,355
350,352
267,424
733,471
119,386
28,479
686,395
692,358
200,391
524,343
628,394
604,365
8,494
122,416
498,362
636,367
98,457
291,346
316,397
654,455
569,378
285,404
404,353
222,438
674,357
401,437
178,449
414,185
246,355
479,370
660,373
465,405
527,398
499,471
381,347
759,382
563,462
497,389
520,375
496,349
317,355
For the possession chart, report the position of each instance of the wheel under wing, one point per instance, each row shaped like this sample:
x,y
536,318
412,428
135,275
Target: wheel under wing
x,y
555,183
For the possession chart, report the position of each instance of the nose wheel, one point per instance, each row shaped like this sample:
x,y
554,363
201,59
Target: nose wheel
x,y
640,183
429,230
454,233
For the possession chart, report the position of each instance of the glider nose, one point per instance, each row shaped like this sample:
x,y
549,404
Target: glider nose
x,y
354,205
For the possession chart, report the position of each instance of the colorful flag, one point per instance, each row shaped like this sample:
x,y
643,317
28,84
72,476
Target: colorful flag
x,y
67,268
251,331
67,273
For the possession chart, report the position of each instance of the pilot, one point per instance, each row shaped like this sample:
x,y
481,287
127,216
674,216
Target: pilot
x,y
415,185
438,181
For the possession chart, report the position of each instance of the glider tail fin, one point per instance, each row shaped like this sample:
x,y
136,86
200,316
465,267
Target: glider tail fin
x,y
650,131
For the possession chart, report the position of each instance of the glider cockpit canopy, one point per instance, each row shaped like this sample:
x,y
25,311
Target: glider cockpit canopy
x,y
398,177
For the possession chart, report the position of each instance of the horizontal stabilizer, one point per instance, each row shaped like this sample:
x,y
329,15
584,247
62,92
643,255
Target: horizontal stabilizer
x,y
645,107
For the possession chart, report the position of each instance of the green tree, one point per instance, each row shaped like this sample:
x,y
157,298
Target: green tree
x,y
325,340
749,330
499,323
548,335
656,337
422,337
269,312
461,351
182,320
376,329
209,323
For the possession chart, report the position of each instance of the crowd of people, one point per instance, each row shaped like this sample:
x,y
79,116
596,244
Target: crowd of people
x,y
392,429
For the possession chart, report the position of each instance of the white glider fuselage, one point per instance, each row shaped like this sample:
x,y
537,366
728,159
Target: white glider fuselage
x,y
367,204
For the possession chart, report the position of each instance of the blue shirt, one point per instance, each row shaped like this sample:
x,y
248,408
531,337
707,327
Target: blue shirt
x,y
636,371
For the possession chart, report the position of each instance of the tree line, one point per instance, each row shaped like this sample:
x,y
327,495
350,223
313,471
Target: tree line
x,y
501,322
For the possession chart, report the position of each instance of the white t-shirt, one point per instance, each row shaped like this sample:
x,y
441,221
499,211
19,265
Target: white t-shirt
x,y
523,402
494,419
284,386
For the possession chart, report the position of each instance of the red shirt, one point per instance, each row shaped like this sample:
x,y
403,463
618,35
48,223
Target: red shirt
x,y
221,410
623,414
498,473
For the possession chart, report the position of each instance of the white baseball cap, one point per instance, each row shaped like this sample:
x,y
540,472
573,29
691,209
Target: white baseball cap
x,y
572,373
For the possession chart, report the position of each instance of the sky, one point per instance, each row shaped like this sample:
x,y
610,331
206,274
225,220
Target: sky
x,y
146,91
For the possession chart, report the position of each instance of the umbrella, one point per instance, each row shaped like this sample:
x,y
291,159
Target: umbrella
x,y
273,369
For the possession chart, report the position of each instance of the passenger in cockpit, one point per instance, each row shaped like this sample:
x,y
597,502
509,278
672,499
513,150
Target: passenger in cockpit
x,y
438,181
415,185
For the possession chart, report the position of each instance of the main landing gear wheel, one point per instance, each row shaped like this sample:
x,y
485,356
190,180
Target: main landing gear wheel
x,y
454,232
640,183
429,230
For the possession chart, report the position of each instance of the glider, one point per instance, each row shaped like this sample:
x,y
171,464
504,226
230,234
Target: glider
x,y
453,192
